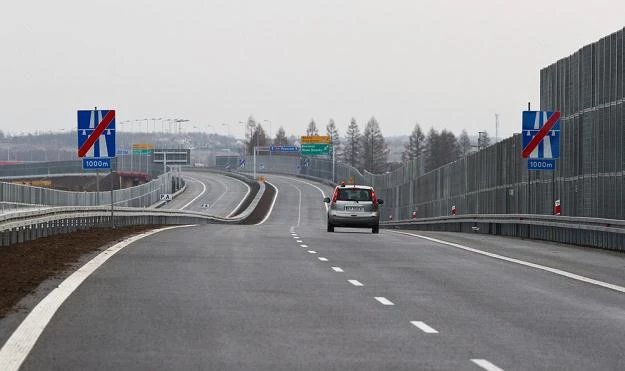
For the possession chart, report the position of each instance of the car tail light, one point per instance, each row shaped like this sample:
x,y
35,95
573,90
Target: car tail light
x,y
335,195
374,198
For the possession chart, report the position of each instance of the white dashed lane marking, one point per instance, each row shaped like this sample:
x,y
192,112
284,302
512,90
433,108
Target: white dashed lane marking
x,y
304,246
486,365
299,241
424,327
355,282
323,259
384,300
312,251
337,269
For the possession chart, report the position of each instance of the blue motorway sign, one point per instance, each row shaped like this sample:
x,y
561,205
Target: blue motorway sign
x,y
96,133
541,134
541,164
283,148
91,163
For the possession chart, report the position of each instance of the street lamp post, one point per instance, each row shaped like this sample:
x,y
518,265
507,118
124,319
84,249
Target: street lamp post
x,y
244,132
228,128
270,139
255,148
154,123
179,122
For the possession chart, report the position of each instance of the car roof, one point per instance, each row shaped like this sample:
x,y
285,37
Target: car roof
x,y
354,186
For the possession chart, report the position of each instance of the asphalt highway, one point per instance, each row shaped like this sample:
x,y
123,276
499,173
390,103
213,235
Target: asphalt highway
x,y
287,295
210,193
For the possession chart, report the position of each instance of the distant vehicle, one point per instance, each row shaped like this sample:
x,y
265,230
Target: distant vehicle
x,y
354,206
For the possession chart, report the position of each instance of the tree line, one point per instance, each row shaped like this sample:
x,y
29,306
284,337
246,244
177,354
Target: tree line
x,y
368,150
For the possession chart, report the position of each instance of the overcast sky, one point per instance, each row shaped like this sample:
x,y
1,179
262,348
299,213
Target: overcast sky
x,y
447,64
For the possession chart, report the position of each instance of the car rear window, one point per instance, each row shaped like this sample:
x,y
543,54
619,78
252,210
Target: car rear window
x,y
354,194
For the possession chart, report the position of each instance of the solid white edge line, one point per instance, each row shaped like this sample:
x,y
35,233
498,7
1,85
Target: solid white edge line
x,y
249,189
321,258
198,196
486,365
384,300
355,282
18,346
273,203
338,269
424,327
299,208
524,263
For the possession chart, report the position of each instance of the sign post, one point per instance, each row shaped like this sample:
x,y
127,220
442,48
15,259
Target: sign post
x,y
541,143
541,139
96,144
283,149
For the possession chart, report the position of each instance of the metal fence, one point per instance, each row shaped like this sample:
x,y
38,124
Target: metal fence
x,y
129,163
139,196
588,88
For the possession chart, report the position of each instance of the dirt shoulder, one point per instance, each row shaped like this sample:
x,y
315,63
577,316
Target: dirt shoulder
x,y
24,266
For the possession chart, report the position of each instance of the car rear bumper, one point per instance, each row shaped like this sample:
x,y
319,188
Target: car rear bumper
x,y
354,221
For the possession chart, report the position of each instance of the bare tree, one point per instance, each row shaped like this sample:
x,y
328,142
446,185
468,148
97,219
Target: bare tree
x,y
280,139
333,133
441,149
415,146
464,143
351,154
249,132
312,128
375,152
258,138
483,140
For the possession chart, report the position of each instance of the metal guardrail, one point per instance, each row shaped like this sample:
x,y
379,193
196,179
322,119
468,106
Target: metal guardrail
x,y
593,232
139,196
29,224
252,198
584,231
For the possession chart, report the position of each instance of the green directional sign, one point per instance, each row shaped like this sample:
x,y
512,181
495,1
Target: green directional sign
x,y
311,149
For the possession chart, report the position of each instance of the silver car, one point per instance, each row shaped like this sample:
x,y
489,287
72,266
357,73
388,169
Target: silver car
x,y
354,206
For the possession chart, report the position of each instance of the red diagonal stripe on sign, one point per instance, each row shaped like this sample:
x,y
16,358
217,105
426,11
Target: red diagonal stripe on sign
x,y
86,146
541,134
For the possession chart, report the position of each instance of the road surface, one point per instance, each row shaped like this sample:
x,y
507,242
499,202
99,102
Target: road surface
x,y
287,295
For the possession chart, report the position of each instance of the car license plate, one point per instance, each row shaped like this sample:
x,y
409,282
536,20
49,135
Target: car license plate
x,y
353,208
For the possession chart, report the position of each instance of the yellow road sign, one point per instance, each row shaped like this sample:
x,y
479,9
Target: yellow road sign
x,y
315,139
142,146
